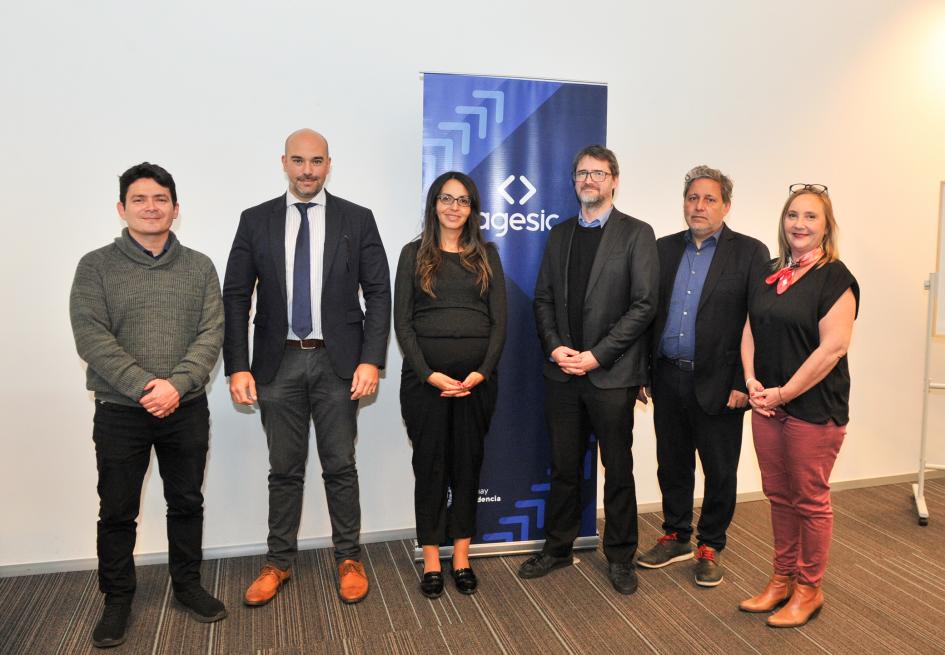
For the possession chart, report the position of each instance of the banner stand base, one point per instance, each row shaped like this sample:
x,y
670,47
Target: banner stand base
x,y
506,548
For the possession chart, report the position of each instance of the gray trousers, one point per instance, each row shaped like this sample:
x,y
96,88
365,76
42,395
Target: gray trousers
x,y
306,386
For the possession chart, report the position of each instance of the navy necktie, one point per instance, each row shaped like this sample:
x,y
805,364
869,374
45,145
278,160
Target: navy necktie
x,y
302,277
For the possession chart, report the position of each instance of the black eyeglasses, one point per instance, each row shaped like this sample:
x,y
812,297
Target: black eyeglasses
x,y
448,200
803,186
597,176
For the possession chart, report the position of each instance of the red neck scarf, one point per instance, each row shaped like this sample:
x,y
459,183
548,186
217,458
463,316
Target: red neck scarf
x,y
785,277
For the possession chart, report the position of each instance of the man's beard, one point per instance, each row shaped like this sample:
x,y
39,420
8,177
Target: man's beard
x,y
589,202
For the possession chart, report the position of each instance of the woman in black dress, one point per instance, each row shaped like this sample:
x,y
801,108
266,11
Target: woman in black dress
x,y
449,316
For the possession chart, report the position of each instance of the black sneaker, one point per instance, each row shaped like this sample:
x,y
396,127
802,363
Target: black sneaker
x,y
668,549
543,564
708,568
623,577
112,627
201,605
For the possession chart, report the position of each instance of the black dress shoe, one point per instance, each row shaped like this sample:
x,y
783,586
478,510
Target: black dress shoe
x,y
543,564
431,585
465,580
623,577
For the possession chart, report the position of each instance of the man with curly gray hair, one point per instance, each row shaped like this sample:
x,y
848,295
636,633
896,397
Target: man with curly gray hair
x,y
698,387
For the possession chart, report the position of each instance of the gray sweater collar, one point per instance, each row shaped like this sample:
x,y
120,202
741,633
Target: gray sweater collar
x,y
134,252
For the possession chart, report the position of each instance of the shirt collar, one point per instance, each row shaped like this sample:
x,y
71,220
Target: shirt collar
x,y
600,221
687,235
291,199
167,246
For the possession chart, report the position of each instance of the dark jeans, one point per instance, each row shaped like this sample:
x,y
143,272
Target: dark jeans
x,y
123,438
575,409
306,388
682,429
447,436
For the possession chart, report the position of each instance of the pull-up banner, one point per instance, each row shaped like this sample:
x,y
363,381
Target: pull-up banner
x,y
516,138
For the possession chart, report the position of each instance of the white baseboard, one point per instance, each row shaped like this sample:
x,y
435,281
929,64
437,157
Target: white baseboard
x,y
214,552
243,550
645,508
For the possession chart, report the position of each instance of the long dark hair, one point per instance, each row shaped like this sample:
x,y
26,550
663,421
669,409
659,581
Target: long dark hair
x,y
472,255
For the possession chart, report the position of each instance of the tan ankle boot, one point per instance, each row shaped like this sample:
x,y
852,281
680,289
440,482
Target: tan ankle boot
x,y
804,605
779,589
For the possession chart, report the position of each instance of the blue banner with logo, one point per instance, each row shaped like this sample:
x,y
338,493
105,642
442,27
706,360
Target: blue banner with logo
x,y
516,138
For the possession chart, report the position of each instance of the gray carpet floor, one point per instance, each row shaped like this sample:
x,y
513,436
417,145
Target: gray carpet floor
x,y
885,591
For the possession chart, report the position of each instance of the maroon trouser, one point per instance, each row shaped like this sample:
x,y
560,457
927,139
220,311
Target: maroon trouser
x,y
796,458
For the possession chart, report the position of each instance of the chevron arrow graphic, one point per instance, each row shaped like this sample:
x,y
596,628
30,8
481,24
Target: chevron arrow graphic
x,y
504,193
447,145
481,112
521,521
499,98
528,185
458,127
539,506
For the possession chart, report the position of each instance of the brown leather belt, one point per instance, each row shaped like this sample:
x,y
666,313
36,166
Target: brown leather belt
x,y
305,344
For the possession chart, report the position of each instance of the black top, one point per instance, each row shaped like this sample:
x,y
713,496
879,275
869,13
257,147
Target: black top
x,y
786,331
457,311
584,247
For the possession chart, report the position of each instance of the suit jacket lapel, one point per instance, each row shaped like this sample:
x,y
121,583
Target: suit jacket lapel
x,y
565,257
668,273
277,243
334,222
722,253
613,231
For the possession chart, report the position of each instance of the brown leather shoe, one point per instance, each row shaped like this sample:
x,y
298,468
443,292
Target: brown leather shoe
x,y
777,592
804,605
264,587
352,581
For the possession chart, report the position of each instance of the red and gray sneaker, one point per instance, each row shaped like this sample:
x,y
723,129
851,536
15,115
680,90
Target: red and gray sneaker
x,y
668,549
708,568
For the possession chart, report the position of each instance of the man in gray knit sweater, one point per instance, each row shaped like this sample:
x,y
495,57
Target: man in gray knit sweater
x,y
148,319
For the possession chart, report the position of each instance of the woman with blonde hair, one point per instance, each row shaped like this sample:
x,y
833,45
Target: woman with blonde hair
x,y
794,352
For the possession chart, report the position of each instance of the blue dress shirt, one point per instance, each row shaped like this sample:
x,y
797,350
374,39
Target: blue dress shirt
x,y
600,221
678,340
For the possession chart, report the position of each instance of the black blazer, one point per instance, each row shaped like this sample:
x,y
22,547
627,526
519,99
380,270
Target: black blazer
x,y
619,304
723,307
354,258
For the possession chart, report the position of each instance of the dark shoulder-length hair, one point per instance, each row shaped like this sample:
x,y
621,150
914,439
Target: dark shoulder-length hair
x,y
472,255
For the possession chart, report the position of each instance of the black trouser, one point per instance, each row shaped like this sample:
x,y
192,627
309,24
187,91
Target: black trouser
x,y
575,409
682,428
447,436
123,438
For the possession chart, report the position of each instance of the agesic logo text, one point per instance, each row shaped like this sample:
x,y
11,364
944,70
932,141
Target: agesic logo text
x,y
499,223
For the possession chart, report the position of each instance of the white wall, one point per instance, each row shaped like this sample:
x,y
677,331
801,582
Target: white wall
x,y
846,93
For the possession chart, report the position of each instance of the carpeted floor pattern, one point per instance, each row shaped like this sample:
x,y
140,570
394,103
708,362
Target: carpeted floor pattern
x,y
885,591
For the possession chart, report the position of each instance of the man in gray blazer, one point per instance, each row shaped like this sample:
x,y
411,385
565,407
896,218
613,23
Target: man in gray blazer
x,y
595,298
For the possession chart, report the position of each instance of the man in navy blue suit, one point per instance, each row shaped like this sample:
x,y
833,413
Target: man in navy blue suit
x,y
307,254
